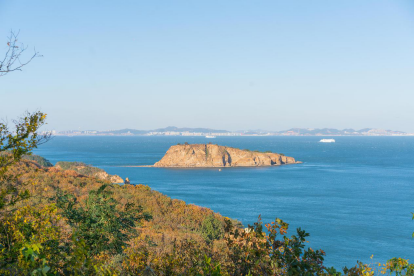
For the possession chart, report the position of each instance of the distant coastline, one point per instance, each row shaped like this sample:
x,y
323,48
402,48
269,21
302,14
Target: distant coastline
x,y
199,132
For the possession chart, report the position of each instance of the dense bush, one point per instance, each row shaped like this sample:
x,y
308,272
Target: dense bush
x,y
212,229
98,222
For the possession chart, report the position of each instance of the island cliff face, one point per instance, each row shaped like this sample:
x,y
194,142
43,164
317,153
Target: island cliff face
x,y
208,155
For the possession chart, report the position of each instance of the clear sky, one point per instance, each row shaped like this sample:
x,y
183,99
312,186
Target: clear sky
x,y
221,64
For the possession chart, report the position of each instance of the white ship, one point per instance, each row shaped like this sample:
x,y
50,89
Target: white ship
x,y
210,136
327,141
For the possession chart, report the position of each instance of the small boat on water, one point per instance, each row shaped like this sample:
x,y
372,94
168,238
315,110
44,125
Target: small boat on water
x,y
327,141
210,136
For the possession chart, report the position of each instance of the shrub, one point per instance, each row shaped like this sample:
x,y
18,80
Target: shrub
x,y
100,224
212,229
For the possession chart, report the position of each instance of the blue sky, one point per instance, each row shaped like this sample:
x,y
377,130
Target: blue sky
x,y
221,64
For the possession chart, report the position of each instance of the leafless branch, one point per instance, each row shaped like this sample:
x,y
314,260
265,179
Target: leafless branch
x,y
12,60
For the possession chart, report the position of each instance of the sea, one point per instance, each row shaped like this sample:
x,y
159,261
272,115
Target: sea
x,y
354,196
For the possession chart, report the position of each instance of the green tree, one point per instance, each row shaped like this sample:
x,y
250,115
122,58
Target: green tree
x,y
103,226
255,252
15,143
212,229
23,137
26,233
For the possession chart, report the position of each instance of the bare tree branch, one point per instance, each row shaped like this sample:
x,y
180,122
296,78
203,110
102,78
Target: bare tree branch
x,y
12,60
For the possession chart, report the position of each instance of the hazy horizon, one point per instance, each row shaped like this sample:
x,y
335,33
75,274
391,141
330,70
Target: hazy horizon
x,y
233,65
201,127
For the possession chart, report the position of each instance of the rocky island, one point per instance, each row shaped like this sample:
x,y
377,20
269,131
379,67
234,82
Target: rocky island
x,y
209,155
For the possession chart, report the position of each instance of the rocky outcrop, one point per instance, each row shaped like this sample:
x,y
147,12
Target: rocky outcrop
x,y
87,170
208,155
105,176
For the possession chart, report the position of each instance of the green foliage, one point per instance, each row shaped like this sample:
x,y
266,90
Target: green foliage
x,y
22,139
102,226
33,255
209,268
212,229
29,241
400,267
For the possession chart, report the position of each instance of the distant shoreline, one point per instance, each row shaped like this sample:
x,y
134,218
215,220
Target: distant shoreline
x,y
211,133
327,135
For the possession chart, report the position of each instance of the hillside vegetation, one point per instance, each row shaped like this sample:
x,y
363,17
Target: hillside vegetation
x,y
38,159
88,170
73,224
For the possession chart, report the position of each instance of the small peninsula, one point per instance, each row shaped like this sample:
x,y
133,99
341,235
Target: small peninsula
x,y
209,155
88,170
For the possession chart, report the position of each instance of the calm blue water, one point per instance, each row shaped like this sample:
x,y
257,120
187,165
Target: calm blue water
x,y
354,197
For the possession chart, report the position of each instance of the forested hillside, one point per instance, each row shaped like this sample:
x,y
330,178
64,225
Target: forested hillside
x,y
72,224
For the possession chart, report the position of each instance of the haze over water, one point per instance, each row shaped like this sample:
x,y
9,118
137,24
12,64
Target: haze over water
x,y
354,196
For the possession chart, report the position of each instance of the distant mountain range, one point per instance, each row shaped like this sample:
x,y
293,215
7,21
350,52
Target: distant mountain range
x,y
338,132
176,131
184,129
